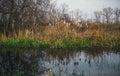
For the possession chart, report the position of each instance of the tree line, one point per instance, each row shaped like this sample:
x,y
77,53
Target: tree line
x,y
18,14
108,15
15,14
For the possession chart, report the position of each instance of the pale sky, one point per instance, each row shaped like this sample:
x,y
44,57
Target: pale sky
x,y
89,6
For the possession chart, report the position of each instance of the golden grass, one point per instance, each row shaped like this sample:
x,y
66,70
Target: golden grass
x,y
59,32
63,35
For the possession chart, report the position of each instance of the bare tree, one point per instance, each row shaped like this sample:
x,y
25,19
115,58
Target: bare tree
x,y
117,15
78,15
98,16
64,11
15,13
71,15
107,13
54,13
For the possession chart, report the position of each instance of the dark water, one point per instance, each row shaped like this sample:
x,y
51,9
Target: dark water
x,y
47,62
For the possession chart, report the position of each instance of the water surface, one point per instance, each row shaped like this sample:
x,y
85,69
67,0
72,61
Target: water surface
x,y
50,62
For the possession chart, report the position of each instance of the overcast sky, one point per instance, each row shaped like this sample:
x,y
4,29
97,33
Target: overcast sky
x,y
89,6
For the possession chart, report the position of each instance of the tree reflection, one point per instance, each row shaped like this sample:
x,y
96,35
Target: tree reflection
x,y
43,62
23,63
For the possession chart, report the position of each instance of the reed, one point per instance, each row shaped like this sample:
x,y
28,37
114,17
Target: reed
x,y
62,36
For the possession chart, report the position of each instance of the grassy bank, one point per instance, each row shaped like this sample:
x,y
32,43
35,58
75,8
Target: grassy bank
x,y
85,42
63,36
22,43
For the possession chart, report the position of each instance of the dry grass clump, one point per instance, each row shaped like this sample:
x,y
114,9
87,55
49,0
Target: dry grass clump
x,y
60,31
62,35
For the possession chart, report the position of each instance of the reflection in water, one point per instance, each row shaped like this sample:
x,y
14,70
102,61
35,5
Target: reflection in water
x,y
49,62
22,63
